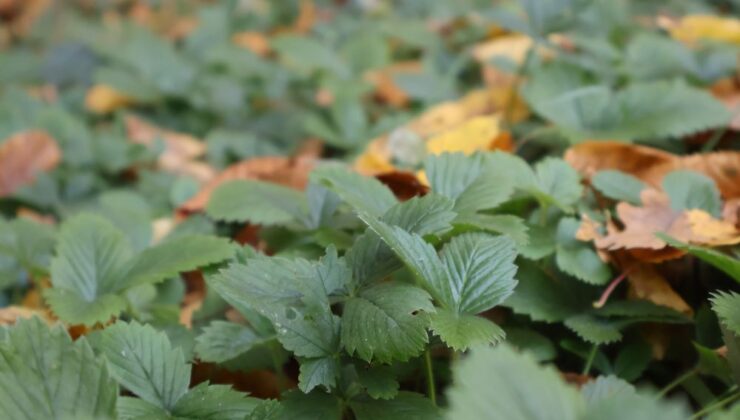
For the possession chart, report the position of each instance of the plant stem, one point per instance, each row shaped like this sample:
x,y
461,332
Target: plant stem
x,y
719,404
676,382
608,291
431,388
590,360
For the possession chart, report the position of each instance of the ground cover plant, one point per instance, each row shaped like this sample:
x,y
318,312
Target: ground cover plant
x,y
369,209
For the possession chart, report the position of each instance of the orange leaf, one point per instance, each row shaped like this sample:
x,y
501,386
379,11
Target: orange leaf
x,y
104,99
23,156
254,41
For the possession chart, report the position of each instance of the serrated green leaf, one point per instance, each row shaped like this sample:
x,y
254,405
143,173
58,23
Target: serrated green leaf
x,y
467,181
221,341
214,402
89,266
144,362
171,258
691,190
45,375
257,202
556,183
541,241
593,329
386,322
379,381
711,363
544,298
504,224
605,387
315,405
318,372
461,331
478,394
727,307
632,360
578,258
618,185
138,409
407,405
528,340
358,191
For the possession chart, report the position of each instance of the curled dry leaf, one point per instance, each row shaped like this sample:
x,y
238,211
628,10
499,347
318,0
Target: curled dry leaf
x,y
290,172
104,99
23,156
651,165
180,151
645,282
655,216
254,41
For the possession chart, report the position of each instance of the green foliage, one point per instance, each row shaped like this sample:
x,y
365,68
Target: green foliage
x,y
618,186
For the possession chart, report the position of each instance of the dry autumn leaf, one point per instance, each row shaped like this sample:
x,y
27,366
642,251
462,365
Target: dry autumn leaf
x,y
23,156
255,42
694,28
728,92
645,282
104,99
651,165
291,172
386,89
180,150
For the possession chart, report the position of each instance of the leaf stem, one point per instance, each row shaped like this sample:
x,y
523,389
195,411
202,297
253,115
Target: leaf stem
x,y
609,289
719,404
590,359
676,382
431,387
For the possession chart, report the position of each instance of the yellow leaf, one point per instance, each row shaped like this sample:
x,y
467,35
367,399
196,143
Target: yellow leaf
x,y
476,134
696,27
103,99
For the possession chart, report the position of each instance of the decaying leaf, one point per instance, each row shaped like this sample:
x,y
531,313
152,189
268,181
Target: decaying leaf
x,y
647,283
104,99
386,89
694,28
651,165
728,92
180,150
10,314
23,156
476,134
254,41
291,172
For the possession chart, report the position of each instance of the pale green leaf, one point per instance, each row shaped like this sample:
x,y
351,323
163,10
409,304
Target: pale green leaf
x,y
358,191
556,183
221,341
214,402
504,224
727,307
406,406
578,258
690,190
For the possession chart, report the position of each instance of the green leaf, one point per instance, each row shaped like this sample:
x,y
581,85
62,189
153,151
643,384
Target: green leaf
x,y
691,190
594,329
214,402
578,258
528,340
45,375
379,381
308,55
317,405
480,270
711,363
467,181
144,362
407,405
724,262
136,408
545,298
257,202
632,360
514,169
461,331
519,390
314,372
618,185
358,191
504,224
221,341
89,266
556,183
171,258
727,307
386,322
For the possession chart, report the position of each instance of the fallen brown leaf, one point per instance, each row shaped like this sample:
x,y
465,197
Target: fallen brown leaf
x,y
386,89
23,156
291,172
180,152
254,41
645,282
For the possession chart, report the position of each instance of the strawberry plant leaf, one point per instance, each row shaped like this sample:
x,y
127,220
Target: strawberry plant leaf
x,y
221,341
618,186
44,374
691,190
356,190
556,183
87,271
504,224
214,402
578,258
320,371
257,202
727,307
144,362
593,329
405,406
461,331
386,322
379,381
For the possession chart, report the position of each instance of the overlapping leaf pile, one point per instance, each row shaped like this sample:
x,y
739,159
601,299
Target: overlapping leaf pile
x,y
369,209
